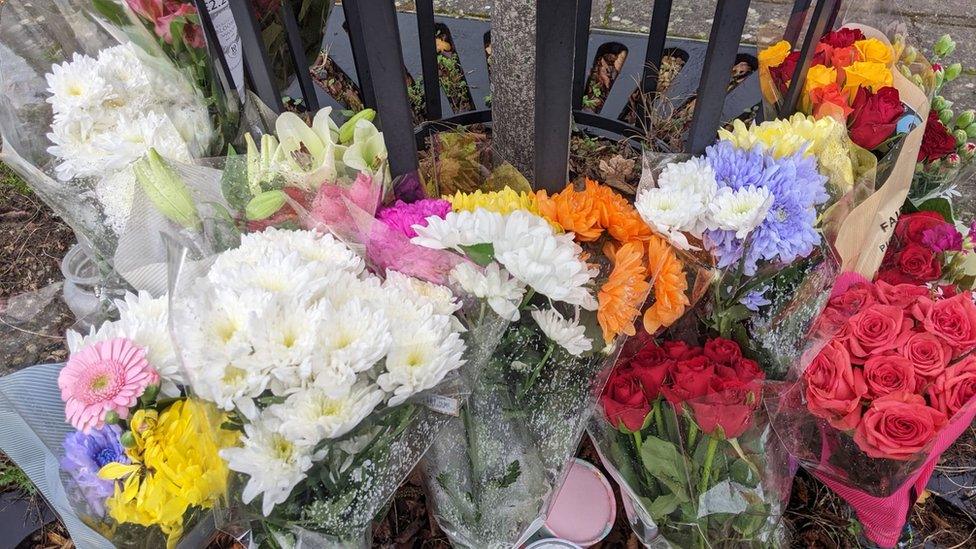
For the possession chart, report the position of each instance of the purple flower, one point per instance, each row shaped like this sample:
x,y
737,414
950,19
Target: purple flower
x,y
755,299
943,238
402,216
972,230
84,455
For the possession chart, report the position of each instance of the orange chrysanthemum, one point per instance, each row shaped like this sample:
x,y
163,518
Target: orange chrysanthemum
x,y
574,211
670,286
623,294
617,215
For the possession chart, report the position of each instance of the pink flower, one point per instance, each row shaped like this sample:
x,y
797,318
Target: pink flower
x,y
942,237
403,216
162,13
336,206
387,248
104,377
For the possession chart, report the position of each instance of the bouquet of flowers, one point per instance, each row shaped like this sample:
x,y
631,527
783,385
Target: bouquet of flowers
x,y
691,447
947,150
139,463
74,124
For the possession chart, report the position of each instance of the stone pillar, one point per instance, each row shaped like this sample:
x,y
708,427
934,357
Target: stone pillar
x,y
513,54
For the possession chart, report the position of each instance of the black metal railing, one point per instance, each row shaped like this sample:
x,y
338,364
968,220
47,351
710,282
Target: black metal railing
x,y
375,39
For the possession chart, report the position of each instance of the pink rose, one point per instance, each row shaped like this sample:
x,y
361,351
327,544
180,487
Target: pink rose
x,y
854,300
834,388
876,330
955,387
886,374
898,426
899,295
928,354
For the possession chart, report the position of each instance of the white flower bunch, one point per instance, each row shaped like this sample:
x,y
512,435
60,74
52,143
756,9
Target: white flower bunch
x,y
294,316
111,109
144,320
687,201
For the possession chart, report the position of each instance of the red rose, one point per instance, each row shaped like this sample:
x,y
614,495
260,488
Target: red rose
x,y
937,142
912,227
919,263
927,353
898,426
854,300
679,350
834,388
875,116
886,374
953,320
783,73
955,387
723,351
744,375
649,356
689,380
728,413
842,38
624,399
898,295
832,323
875,330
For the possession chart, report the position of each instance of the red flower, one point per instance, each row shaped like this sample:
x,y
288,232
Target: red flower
x,y
876,330
919,263
955,387
679,350
875,116
886,374
624,399
784,72
898,426
723,351
854,300
690,379
912,227
953,320
937,142
928,354
726,413
842,38
834,387
162,13
899,295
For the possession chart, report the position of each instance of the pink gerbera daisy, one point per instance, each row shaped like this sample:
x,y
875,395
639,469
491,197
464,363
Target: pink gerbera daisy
x,y
106,376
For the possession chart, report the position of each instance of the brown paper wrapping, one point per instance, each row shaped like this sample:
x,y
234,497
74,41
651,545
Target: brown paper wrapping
x,y
863,237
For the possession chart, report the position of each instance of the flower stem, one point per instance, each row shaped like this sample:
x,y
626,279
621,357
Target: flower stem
x,y
707,467
529,293
692,435
659,418
538,369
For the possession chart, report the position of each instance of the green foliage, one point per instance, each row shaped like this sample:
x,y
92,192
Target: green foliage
x,y
482,254
9,179
13,479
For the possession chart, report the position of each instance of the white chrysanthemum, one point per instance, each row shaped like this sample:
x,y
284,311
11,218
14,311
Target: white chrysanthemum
x,y
672,212
286,338
695,176
122,69
132,138
273,463
421,293
312,415
566,333
76,84
71,139
458,229
550,264
357,335
313,246
420,358
740,211
503,293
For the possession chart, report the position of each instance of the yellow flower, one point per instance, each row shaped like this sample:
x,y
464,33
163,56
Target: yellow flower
x,y
825,138
874,50
504,201
175,466
819,76
866,74
774,55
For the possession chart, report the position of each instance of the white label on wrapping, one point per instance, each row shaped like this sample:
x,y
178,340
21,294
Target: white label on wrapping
x,y
230,40
443,405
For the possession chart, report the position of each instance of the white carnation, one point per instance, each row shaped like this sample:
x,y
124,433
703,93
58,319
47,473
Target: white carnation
x,y
566,333
740,211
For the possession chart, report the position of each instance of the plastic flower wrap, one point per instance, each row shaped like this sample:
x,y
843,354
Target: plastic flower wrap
x,y
325,369
682,429
88,92
140,465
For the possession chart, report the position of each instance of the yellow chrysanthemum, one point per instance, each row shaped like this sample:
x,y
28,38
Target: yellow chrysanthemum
x,y
875,51
175,466
825,138
774,55
866,74
504,201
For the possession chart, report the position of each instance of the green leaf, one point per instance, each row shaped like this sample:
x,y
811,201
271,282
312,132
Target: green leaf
x,y
233,183
666,463
111,11
511,475
482,254
663,506
940,206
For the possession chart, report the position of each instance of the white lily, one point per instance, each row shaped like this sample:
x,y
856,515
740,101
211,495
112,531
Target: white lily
x,y
367,153
307,156
260,163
